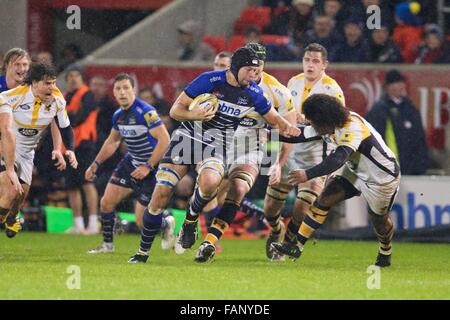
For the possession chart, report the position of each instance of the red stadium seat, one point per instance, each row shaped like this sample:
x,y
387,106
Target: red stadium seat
x,y
252,16
274,39
235,42
217,42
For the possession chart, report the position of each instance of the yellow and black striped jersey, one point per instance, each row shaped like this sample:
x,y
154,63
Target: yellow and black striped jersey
x,y
372,161
278,96
31,116
300,90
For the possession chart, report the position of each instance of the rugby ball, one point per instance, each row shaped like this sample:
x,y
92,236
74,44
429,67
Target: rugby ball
x,y
206,101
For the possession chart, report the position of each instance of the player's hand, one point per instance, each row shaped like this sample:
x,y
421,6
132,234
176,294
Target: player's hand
x,y
295,177
72,158
202,114
89,175
291,131
300,117
12,176
275,174
60,162
140,172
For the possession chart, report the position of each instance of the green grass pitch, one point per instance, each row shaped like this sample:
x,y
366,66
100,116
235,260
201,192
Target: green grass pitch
x,y
35,265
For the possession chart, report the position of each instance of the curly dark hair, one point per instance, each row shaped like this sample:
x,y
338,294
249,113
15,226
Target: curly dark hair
x,y
325,111
40,71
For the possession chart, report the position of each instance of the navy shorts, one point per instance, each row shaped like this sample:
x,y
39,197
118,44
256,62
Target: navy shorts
x,y
143,188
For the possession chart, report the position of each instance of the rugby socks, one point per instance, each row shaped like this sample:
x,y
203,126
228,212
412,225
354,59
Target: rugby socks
x,y
199,201
292,230
108,221
210,215
79,223
385,239
221,223
93,218
152,226
275,223
315,217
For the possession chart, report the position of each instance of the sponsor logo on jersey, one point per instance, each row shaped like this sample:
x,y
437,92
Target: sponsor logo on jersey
x,y
242,101
27,132
229,110
214,79
127,132
248,122
24,107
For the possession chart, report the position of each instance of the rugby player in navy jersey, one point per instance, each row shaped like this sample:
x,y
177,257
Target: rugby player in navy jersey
x,y
202,140
147,139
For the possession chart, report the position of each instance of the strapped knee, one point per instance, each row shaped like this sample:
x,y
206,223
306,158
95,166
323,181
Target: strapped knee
x,y
277,193
214,165
307,195
244,176
167,177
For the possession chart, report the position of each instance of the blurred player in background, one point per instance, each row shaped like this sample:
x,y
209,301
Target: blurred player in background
x,y
365,166
313,80
147,140
206,131
244,163
28,110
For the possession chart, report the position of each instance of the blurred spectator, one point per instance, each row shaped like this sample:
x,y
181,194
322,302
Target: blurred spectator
x,y
69,55
433,49
293,20
399,123
354,48
382,48
251,34
191,46
148,95
44,57
81,108
98,86
323,34
222,61
333,9
408,32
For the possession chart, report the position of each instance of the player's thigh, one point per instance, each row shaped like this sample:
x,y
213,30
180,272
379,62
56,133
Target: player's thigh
x,y
380,197
113,195
337,189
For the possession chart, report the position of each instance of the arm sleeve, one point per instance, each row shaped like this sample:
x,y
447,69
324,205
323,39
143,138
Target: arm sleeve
x,y
152,119
62,119
308,134
331,163
67,137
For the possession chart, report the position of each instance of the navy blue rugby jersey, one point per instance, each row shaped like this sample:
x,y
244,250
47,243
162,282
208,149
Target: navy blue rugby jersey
x,y
133,125
234,104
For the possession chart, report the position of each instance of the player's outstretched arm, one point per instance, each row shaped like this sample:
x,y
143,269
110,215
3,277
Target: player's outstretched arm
x,y
180,110
278,122
110,146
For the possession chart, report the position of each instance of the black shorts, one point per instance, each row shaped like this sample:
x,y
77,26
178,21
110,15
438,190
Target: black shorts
x,y
85,154
185,151
143,188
